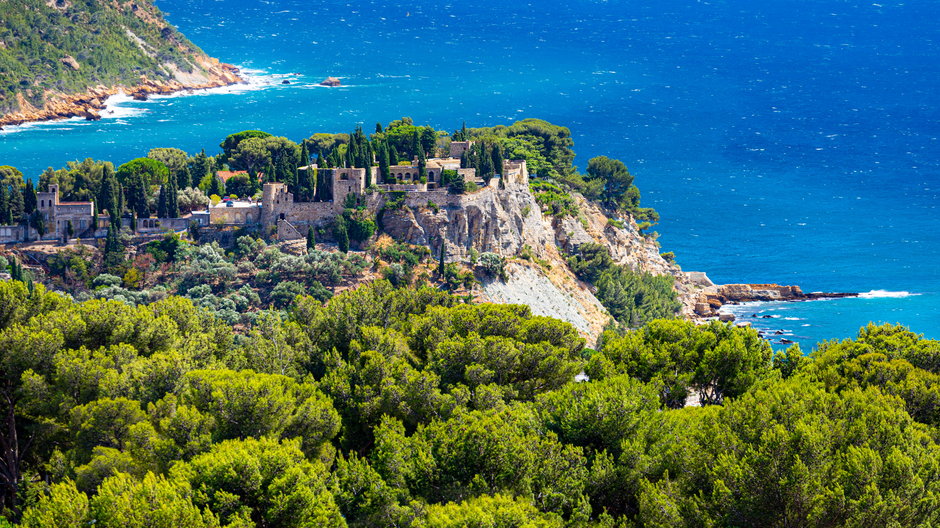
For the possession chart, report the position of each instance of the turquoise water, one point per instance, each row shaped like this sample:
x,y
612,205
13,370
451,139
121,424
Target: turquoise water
x,y
782,141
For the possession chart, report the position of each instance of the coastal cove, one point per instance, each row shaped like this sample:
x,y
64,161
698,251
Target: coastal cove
x,y
712,124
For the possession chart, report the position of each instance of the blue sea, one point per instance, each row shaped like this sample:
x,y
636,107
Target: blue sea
x,y
784,141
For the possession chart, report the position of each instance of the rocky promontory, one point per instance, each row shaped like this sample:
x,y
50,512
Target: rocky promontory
x,y
89,104
713,297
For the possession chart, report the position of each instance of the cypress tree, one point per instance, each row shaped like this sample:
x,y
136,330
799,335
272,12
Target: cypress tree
x,y
113,250
497,159
393,155
161,203
216,186
118,215
69,231
133,220
321,163
16,203
342,234
107,194
173,200
185,179
304,154
5,213
139,200
29,198
378,128
16,269
384,172
311,239
422,160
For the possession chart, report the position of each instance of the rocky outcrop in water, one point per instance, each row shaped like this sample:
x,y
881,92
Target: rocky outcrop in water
x,y
712,298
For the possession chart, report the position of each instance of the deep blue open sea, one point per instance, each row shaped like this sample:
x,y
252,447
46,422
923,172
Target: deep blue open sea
x,y
782,141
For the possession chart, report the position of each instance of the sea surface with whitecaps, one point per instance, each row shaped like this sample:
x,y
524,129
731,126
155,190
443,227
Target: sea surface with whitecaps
x,y
781,141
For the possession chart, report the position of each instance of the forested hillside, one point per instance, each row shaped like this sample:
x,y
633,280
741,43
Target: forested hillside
x,y
407,407
69,46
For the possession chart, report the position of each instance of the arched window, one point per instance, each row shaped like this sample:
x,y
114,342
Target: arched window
x,y
430,175
407,175
42,203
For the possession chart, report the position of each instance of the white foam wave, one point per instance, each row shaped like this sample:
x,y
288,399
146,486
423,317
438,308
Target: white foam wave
x,y
878,294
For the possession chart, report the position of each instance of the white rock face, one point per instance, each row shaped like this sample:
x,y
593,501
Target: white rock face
x,y
509,222
553,293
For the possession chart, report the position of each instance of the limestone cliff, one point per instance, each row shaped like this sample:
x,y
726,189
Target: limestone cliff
x,y
508,221
62,59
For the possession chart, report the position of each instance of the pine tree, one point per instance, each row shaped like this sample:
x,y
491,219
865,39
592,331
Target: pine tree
x,y
29,198
311,239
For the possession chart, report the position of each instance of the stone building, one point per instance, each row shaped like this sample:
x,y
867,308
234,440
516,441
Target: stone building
x,y
58,215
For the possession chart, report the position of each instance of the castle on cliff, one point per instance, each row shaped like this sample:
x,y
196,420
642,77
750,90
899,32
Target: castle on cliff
x,y
279,211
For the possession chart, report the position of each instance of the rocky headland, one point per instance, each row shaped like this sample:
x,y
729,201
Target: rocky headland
x,y
712,297
90,103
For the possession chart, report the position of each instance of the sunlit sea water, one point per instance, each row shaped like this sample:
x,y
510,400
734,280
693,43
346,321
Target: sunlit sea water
x,y
781,141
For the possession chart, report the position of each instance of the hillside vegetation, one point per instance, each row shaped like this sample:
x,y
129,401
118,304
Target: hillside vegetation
x,y
67,46
407,407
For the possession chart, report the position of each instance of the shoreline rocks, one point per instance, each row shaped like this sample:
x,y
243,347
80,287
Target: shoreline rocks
x,y
89,103
712,298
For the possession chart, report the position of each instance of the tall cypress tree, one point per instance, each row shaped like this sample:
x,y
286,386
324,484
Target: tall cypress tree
x,y
16,203
139,201
378,128
173,200
161,203
304,154
113,249
393,155
422,159
6,216
497,157
107,194
321,163
311,239
29,198
384,172
216,186
341,233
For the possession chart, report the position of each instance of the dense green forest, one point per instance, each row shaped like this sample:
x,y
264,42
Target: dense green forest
x,y
407,407
68,46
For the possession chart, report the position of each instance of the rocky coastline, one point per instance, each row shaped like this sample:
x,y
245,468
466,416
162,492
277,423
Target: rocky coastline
x,y
713,297
88,104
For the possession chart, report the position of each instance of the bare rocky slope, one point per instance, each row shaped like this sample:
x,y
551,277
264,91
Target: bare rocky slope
x,y
508,221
